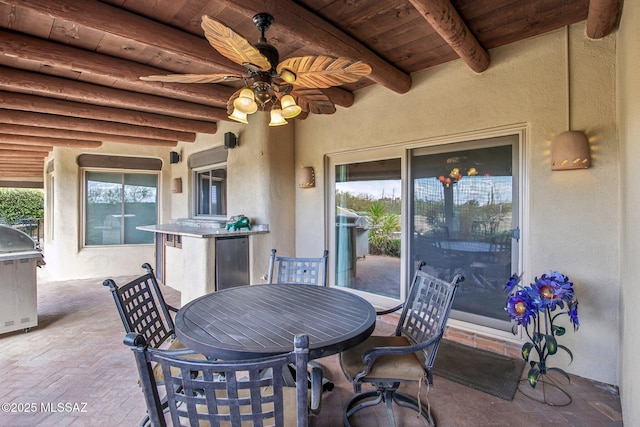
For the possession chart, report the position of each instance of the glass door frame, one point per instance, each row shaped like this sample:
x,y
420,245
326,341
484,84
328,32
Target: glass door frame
x,y
510,139
520,181
359,156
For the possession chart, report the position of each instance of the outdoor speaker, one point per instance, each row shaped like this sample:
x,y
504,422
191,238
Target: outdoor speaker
x,y
174,157
230,140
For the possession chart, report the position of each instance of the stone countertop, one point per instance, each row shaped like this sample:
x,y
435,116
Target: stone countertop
x,y
202,232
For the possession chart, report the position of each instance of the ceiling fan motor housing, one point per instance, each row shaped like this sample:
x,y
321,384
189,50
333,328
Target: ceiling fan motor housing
x,y
271,53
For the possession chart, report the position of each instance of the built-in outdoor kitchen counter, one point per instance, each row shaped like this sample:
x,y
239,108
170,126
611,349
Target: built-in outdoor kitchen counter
x,y
201,256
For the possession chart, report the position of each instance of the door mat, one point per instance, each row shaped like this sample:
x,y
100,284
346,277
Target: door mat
x,y
479,369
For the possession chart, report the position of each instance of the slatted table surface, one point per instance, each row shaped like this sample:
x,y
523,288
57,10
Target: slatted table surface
x,y
261,320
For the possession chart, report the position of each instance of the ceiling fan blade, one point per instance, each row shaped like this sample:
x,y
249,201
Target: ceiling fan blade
x,y
232,45
313,100
321,71
193,78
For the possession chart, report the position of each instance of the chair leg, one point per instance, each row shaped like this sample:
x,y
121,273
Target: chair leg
x,y
411,403
389,399
389,396
360,401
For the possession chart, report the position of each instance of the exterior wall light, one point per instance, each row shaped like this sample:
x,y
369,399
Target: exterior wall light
x,y
570,151
307,177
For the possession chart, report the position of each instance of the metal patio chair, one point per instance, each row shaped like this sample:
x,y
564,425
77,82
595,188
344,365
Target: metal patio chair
x,y
227,393
308,271
408,355
144,311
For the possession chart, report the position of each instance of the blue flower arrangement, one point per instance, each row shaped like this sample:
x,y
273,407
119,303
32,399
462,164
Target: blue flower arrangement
x,y
532,307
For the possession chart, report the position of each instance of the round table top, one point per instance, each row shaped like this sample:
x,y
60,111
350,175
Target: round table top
x,y
261,320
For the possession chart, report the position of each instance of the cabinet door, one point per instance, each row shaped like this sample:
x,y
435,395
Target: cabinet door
x,y
232,262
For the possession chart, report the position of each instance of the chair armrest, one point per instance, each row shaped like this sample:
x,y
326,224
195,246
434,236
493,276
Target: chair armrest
x,y
315,371
369,357
172,308
390,310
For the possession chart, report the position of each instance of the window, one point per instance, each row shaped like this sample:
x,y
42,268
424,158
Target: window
x,y
116,203
211,192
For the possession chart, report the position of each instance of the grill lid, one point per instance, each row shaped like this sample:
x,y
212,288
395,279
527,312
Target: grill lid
x,y
12,240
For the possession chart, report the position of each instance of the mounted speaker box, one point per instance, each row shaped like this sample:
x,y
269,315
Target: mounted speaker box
x,y
230,140
174,157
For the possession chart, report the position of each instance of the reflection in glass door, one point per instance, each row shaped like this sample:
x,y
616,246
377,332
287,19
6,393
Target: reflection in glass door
x,y
368,226
464,213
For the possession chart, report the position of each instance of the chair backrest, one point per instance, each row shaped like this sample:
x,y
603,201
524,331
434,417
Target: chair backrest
x,y
309,271
426,311
218,393
142,308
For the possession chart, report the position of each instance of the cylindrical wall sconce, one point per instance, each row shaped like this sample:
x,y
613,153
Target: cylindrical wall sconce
x,y
570,151
307,177
176,185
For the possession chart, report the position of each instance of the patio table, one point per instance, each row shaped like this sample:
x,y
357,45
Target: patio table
x,y
261,320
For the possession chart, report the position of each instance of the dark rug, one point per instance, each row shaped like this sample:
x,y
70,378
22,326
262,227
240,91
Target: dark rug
x,y
479,369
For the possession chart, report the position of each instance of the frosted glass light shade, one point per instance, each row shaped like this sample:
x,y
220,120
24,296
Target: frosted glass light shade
x,y
239,116
289,107
570,151
276,118
245,102
287,75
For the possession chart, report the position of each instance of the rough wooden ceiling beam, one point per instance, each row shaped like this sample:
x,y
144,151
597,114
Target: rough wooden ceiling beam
x,y
603,17
6,166
40,104
94,126
13,80
90,66
6,154
112,20
14,175
446,21
37,142
72,134
311,29
339,96
22,147
25,161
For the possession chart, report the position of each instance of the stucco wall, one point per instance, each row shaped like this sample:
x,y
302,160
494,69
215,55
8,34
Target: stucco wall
x,y
260,184
65,255
629,106
571,217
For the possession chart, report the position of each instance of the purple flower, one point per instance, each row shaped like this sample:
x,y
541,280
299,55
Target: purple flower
x,y
551,290
573,315
512,283
520,307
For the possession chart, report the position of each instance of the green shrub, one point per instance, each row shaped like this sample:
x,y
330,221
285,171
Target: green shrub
x,y
18,203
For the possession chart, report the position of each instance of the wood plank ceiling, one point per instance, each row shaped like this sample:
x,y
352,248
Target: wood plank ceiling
x,y
69,69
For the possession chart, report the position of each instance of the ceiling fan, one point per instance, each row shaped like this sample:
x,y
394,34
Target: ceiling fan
x,y
285,88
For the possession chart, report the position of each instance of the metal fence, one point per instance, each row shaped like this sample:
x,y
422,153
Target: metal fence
x,y
34,227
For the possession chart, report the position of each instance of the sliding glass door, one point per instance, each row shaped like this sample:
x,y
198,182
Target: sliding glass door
x,y
464,221
368,227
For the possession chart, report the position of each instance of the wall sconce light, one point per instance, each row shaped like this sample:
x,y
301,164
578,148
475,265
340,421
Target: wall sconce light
x,y
307,177
570,151
176,185
571,148
174,157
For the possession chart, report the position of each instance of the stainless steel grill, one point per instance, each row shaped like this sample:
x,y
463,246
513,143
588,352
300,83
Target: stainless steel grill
x,y
18,284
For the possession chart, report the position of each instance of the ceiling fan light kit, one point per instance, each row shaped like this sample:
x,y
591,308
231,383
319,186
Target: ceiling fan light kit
x,y
284,88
